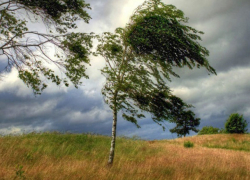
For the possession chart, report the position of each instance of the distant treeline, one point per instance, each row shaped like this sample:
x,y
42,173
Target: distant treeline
x,y
234,124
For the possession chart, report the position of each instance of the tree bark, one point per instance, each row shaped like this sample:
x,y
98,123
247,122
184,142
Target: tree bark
x,y
112,148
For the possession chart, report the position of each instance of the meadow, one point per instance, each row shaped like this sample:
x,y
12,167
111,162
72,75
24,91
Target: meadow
x,y
84,156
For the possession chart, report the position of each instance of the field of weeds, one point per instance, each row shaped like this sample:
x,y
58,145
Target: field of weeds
x,y
84,156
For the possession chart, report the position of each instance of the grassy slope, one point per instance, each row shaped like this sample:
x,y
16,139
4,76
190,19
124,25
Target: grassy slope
x,y
72,156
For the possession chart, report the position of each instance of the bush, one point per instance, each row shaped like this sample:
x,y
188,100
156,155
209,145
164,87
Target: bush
x,y
188,144
236,124
209,130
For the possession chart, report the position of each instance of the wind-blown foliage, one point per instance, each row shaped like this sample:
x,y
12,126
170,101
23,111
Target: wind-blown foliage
x,y
185,119
139,61
158,30
30,51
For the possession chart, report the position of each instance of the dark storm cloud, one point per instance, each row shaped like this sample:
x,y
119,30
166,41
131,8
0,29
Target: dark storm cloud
x,y
226,26
63,111
79,101
229,45
26,110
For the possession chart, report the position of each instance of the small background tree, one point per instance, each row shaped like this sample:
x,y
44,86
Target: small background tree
x,y
236,124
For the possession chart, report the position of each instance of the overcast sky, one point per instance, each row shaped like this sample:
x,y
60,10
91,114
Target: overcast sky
x,y
227,32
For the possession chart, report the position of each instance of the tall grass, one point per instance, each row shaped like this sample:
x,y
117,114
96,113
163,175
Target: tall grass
x,y
84,156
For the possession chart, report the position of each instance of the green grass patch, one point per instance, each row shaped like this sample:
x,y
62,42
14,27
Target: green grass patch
x,y
188,144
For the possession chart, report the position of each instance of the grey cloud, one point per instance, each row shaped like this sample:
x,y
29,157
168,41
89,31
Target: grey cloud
x,y
226,30
226,26
60,110
202,11
105,16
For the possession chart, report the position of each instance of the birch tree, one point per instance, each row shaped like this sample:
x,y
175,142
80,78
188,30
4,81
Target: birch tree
x,y
32,51
140,60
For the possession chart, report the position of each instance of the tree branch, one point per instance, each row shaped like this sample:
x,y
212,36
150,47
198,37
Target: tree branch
x,y
30,32
9,2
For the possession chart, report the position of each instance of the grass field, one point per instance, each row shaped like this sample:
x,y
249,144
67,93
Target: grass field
x,y
83,156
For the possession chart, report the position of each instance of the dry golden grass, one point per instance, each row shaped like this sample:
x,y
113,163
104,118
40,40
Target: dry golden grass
x,y
59,157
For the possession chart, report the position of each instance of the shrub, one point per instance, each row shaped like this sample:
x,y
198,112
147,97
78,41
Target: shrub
x,y
236,124
188,144
209,130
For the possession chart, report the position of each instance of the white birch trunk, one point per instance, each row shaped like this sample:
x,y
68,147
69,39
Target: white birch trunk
x,y
112,148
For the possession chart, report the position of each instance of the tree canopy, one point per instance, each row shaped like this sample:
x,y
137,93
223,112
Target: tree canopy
x,y
236,124
140,60
159,30
31,52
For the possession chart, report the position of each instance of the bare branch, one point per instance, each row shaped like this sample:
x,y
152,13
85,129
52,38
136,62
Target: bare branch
x,y
1,4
